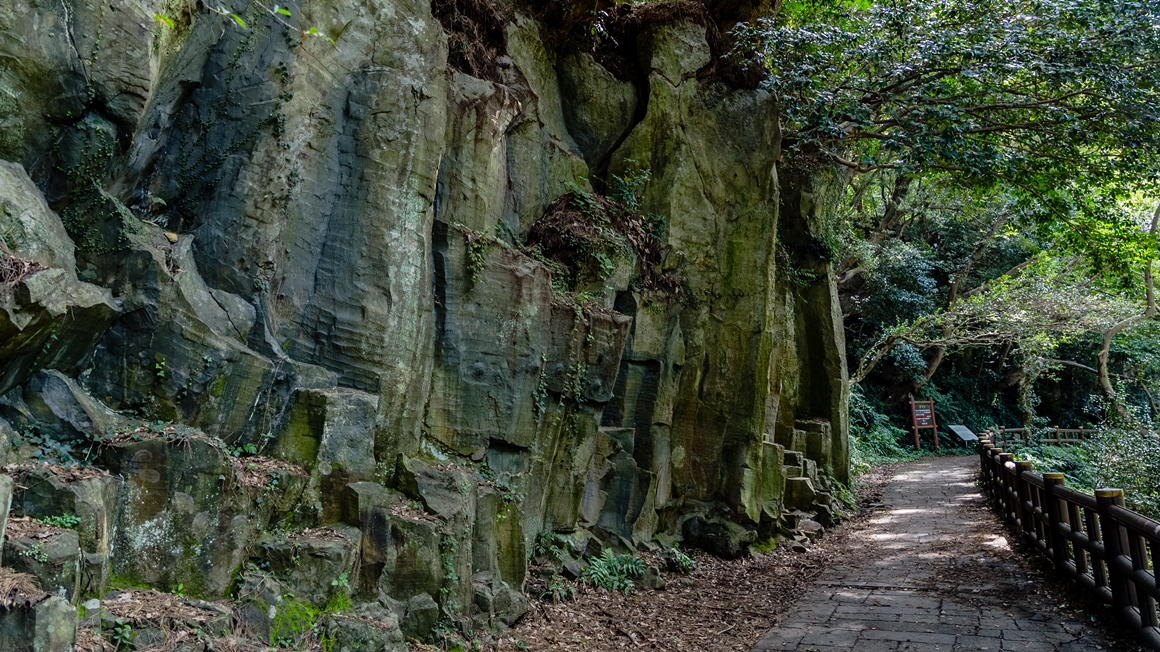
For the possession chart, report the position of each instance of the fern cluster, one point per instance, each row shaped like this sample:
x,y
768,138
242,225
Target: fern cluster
x,y
612,571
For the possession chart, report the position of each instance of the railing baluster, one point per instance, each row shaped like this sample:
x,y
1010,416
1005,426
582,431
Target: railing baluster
x,y
1008,486
1138,550
1113,547
1104,546
1023,490
1077,525
1055,542
1099,569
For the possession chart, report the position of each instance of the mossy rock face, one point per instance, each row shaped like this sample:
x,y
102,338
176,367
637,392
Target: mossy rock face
x,y
599,108
54,559
185,518
331,433
374,632
48,626
317,565
49,318
92,498
320,253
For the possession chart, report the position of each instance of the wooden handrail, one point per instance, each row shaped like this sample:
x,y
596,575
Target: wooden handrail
x,y
1106,548
1002,436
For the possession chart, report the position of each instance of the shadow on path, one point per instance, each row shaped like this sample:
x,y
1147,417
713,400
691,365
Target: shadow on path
x,y
930,570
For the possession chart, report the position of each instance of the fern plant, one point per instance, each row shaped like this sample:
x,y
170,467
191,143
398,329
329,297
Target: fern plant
x,y
612,571
678,561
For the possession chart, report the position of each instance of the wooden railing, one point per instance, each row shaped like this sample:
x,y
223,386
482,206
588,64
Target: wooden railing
x,y
1059,436
1109,550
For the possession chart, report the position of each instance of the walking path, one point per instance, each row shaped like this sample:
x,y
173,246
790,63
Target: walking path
x,y
936,574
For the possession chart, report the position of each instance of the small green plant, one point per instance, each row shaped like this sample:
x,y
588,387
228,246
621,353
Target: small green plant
x,y
244,450
122,634
612,571
36,551
450,548
340,594
293,620
677,561
559,590
545,546
477,248
159,368
67,521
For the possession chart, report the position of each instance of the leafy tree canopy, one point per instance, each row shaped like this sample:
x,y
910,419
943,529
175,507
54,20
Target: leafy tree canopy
x,y
1058,100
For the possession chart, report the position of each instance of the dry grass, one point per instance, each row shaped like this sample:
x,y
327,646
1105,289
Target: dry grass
x,y
572,227
14,269
27,527
19,589
255,470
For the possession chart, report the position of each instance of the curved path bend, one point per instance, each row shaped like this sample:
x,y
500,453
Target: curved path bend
x,y
930,570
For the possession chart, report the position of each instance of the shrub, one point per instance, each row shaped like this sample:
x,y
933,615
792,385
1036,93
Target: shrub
x,y
612,571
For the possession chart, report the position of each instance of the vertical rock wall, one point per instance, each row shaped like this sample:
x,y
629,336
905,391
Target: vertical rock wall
x,y
313,254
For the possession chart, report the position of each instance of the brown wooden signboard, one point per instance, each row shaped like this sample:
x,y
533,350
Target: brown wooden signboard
x,y
922,418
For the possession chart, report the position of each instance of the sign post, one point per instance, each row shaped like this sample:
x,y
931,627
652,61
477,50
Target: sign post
x,y
922,418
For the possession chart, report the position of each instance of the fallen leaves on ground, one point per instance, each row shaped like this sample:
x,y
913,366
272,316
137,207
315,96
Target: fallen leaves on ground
x,y
721,605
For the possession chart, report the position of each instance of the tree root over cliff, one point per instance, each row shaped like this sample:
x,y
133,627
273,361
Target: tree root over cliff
x,y
722,605
475,35
14,269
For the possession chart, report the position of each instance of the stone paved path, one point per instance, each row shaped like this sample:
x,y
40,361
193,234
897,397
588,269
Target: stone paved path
x,y
931,570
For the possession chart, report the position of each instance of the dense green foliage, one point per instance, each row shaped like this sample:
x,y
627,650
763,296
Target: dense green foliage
x,y
996,234
1049,96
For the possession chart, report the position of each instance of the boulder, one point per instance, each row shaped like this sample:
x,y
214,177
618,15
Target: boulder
x,y
372,632
421,614
799,493
47,318
51,554
190,511
599,109
90,495
330,433
317,565
40,624
718,536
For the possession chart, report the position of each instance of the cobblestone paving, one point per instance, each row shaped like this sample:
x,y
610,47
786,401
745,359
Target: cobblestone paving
x,y
936,574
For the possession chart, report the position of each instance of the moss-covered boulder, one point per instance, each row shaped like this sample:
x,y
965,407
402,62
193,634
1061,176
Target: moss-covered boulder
x,y
317,565
189,510
86,496
38,623
51,554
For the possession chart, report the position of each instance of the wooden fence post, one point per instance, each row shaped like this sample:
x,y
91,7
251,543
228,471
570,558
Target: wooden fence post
x,y
1023,495
997,480
1113,547
1006,486
985,447
1055,540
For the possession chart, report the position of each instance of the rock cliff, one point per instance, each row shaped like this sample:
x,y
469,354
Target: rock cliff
x,y
380,302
